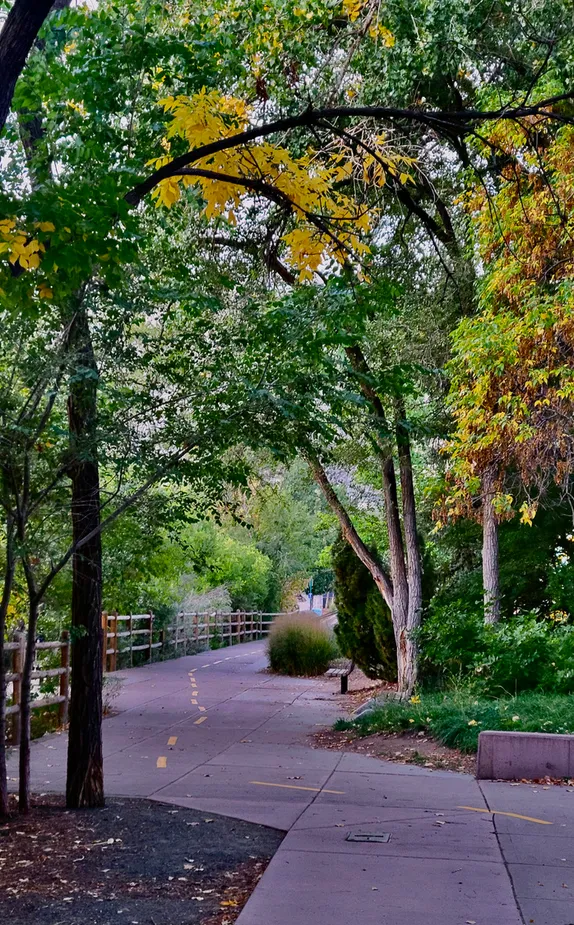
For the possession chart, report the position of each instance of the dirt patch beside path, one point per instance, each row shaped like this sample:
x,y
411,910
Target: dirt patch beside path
x,y
136,861
403,748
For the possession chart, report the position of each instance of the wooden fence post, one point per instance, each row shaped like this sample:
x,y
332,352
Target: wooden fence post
x,y
114,646
105,645
18,656
150,635
64,678
131,632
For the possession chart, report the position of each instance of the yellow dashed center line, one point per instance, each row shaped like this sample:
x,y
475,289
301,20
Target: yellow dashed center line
x,y
492,812
201,709
172,740
161,762
193,700
200,720
264,783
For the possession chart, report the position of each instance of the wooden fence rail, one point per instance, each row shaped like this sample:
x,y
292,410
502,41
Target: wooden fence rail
x,y
195,630
18,650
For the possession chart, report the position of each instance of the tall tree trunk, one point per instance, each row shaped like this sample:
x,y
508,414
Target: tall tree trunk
x,y
413,552
25,698
490,558
400,602
4,602
85,776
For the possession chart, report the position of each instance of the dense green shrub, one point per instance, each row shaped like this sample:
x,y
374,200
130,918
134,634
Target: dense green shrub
x,y
456,718
518,654
364,629
299,645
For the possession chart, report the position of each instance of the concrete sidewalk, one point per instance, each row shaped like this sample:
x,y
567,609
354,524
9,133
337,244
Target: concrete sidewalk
x,y
217,733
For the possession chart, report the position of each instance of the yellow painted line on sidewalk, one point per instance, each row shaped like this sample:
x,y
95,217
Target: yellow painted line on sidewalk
x,y
161,762
200,720
265,783
492,812
202,709
172,740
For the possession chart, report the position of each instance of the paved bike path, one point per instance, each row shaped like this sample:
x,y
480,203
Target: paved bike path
x,y
218,733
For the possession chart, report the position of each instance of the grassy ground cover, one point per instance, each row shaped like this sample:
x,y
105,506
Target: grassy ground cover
x,y
456,718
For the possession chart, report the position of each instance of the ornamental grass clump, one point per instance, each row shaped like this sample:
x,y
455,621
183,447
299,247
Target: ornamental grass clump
x,y
299,645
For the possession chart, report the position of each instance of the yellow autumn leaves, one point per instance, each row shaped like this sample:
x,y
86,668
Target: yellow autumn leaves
x,y
354,8
329,224
24,248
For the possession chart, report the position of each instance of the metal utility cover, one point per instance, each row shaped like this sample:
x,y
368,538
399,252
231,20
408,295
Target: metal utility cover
x,y
380,837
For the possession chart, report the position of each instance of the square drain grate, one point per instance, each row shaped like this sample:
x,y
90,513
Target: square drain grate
x,y
379,837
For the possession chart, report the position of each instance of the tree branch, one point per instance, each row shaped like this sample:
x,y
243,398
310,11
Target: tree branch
x,y
445,123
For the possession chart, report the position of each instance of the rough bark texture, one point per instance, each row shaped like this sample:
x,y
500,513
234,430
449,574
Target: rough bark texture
x,y
85,779
490,563
16,40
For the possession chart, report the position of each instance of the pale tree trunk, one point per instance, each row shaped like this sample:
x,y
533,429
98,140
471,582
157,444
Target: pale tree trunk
x,y
490,557
413,552
400,603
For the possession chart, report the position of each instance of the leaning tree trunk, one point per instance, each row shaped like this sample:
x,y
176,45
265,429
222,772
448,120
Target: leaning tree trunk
x,y
490,557
85,777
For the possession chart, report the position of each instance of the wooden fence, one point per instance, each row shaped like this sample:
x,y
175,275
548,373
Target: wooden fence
x,y
124,636
18,650
189,632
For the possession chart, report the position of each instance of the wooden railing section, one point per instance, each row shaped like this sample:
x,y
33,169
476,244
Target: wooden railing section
x,y
18,650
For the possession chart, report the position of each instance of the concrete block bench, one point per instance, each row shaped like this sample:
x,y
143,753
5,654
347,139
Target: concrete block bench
x,y
517,755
